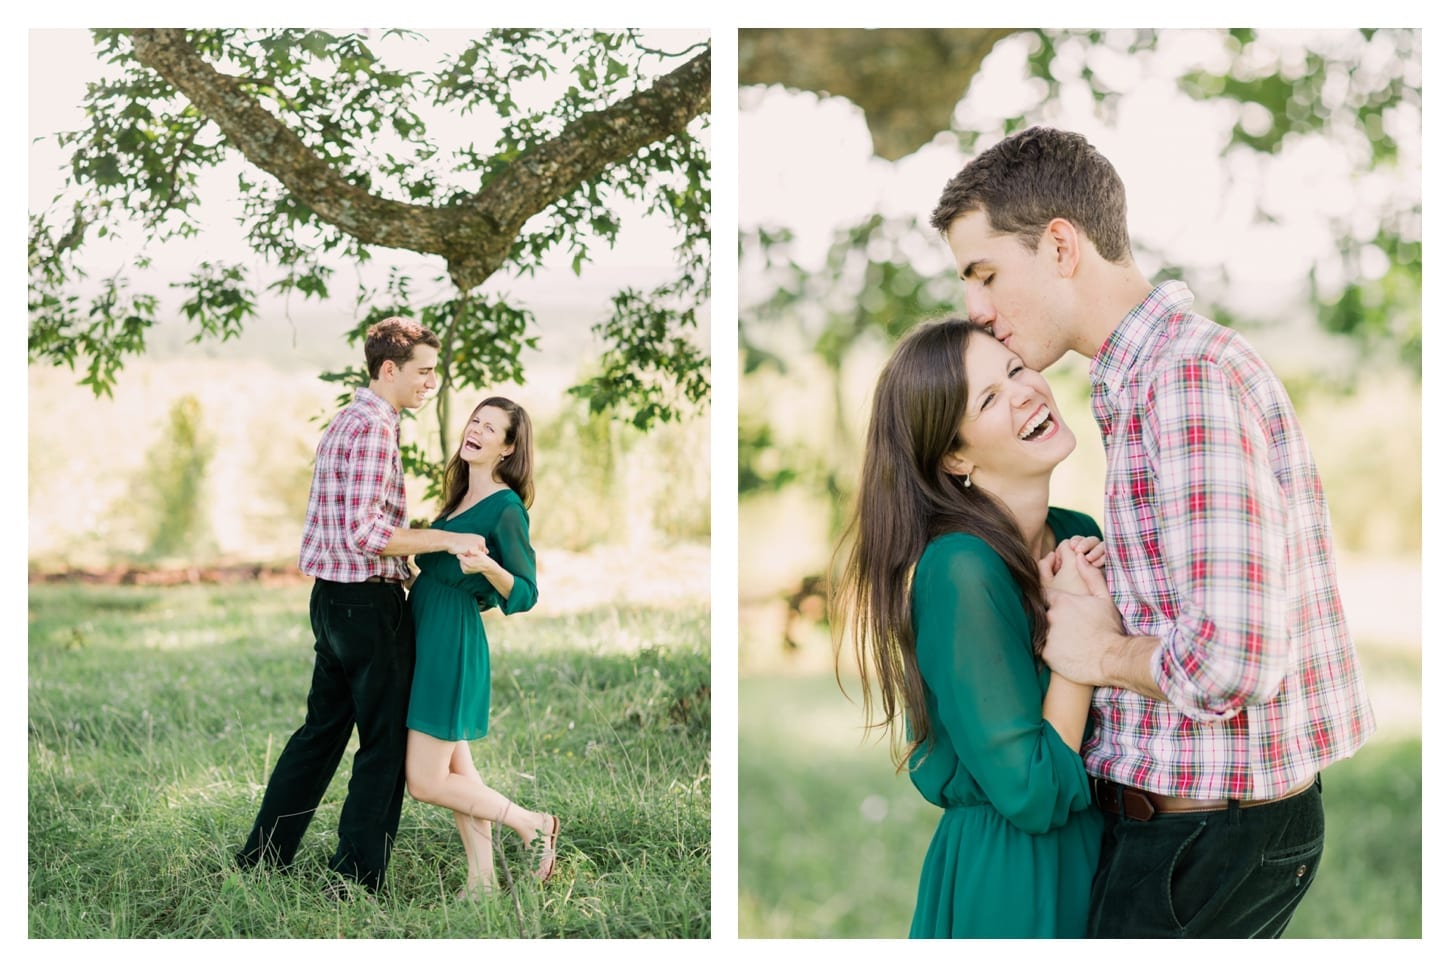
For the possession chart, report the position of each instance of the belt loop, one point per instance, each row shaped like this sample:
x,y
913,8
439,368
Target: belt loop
x,y
1319,781
1118,794
1233,812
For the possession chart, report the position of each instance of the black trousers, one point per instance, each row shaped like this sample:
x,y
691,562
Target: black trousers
x,y
361,676
1236,872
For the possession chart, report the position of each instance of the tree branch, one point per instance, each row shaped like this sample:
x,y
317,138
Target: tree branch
x,y
270,145
474,237
584,150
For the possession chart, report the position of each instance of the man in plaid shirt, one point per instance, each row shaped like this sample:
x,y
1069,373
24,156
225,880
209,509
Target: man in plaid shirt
x,y
355,545
1226,676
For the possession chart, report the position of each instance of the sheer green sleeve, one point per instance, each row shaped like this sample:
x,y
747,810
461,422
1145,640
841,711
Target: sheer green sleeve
x,y
508,544
974,651
511,548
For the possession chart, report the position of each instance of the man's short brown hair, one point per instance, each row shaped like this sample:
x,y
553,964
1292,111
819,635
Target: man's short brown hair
x,y
394,338
1025,181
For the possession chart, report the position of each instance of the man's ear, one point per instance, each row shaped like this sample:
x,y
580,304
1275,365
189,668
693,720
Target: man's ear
x,y
1067,244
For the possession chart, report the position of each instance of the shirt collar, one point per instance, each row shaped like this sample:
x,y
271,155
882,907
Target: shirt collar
x,y
377,404
1115,362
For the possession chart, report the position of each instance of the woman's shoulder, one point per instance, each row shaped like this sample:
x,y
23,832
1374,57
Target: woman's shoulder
x,y
958,555
1067,523
510,502
502,501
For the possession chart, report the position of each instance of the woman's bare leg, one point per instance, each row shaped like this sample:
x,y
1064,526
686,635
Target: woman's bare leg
x,y
431,779
477,834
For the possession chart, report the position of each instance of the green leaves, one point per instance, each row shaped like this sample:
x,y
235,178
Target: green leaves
x,y
220,302
138,166
1359,91
652,369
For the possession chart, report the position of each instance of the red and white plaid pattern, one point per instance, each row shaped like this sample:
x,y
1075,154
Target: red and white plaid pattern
x,y
1219,545
357,497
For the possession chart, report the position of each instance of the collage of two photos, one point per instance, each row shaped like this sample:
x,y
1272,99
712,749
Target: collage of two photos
x,y
1064,600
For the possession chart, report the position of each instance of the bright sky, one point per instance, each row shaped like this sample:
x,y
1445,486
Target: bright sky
x,y
62,61
807,163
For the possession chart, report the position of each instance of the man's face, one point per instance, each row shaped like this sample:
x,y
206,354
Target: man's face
x,y
1010,288
409,385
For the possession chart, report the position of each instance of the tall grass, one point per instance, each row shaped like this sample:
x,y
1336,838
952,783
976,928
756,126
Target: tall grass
x,y
831,839
156,716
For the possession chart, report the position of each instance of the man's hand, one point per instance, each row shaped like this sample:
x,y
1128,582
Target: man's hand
x,y
1082,619
1086,640
461,544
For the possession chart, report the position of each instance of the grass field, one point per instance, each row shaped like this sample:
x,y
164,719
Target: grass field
x,y
831,839
155,716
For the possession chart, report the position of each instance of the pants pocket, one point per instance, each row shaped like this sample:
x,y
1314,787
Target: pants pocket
x,y
1294,868
1194,876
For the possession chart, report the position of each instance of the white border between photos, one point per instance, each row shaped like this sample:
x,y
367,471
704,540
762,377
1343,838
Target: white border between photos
x,y
723,18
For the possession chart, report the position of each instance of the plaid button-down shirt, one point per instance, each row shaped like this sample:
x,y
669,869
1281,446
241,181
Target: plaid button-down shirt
x,y
357,497
1219,546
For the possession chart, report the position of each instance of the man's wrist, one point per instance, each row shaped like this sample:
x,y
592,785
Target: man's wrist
x,y
1127,662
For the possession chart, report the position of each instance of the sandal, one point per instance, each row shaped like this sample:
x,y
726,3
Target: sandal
x,y
547,852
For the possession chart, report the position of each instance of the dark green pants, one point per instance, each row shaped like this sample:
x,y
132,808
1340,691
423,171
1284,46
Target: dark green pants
x,y
1237,872
361,676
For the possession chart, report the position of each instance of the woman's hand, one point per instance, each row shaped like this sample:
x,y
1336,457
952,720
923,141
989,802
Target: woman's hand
x,y
475,561
1058,571
1093,550
1070,569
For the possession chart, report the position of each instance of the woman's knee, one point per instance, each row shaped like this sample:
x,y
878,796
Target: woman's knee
x,y
422,784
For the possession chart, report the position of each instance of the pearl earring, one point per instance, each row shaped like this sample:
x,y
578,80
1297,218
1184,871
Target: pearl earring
x,y
966,481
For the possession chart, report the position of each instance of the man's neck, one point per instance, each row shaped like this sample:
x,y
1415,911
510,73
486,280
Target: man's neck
x,y
380,391
1116,290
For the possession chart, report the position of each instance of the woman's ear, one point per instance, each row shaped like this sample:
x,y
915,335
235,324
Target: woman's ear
x,y
957,464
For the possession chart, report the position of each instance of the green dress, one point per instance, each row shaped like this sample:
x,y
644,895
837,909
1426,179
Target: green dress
x,y
450,692
1017,844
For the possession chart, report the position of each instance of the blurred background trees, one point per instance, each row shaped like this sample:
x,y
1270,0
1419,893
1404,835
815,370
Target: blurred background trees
x,y
1277,172
517,146
235,207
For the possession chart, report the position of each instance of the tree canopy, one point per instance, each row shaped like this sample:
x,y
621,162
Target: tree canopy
x,y
1353,89
344,160
1354,92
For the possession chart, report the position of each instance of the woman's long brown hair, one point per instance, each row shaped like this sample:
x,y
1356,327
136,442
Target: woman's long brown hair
x,y
516,469
905,498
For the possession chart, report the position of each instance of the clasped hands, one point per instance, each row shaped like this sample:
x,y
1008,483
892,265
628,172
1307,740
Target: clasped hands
x,y
1082,620
472,553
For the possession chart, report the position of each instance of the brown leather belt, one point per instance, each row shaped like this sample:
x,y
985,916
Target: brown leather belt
x,y
379,579
1142,805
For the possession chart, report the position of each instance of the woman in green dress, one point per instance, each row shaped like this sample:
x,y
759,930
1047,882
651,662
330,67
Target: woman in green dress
x,y
488,487
950,548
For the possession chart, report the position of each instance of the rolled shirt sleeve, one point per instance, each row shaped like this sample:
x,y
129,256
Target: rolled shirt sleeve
x,y
370,461
1223,544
